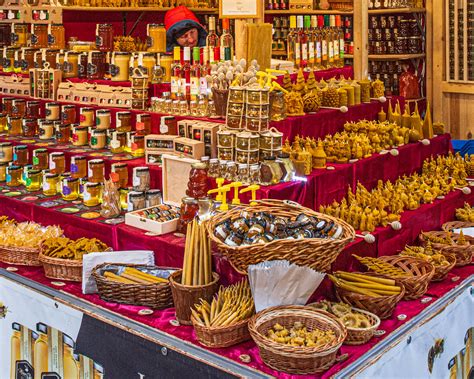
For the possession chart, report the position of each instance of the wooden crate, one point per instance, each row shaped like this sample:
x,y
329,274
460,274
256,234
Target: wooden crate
x,y
183,128
207,132
189,147
160,142
175,178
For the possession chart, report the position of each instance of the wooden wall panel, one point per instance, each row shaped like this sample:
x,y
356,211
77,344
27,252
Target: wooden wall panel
x,y
459,115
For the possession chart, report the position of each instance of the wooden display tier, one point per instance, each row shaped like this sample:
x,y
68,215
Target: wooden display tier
x,y
396,10
132,9
308,12
395,57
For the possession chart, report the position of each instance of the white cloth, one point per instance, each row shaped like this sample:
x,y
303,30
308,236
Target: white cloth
x,y
92,260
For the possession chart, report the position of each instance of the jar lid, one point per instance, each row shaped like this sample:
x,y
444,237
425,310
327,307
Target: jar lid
x,y
20,147
34,172
71,179
153,192
119,165
78,158
149,55
33,102
254,167
189,200
68,106
78,127
137,137
89,184
52,105
65,175
243,166
122,53
212,160
5,144
204,158
104,25
271,158
96,161
98,131
230,164
3,164
141,169
136,194
46,122
63,126
199,165
224,132
271,133
87,109
222,162
124,113
50,175
283,155
19,100
104,111
13,167
155,25
57,154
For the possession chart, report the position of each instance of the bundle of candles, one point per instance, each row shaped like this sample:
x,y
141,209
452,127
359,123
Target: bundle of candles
x,y
197,256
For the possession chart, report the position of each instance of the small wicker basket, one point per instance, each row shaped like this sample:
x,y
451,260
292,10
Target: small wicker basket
x,y
62,269
382,306
317,253
157,296
185,297
441,272
222,336
450,226
23,256
463,253
296,359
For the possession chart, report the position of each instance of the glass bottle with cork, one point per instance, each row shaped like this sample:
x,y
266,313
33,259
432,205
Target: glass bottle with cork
x,y
186,74
293,51
176,73
226,41
212,39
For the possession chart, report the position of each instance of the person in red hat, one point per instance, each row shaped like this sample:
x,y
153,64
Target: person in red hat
x,y
183,29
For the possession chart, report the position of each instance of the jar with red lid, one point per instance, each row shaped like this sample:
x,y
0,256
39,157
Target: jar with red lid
x,y
33,109
30,127
39,35
197,185
63,133
20,155
104,39
68,114
96,65
189,210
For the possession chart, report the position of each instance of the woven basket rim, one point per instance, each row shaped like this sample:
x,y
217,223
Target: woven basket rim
x,y
219,329
29,250
417,261
59,261
447,226
173,282
300,351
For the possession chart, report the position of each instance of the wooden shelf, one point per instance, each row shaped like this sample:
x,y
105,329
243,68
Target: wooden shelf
x,y
396,10
134,9
307,11
348,56
394,57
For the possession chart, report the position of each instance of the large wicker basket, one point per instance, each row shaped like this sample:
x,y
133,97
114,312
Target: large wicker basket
x,y
157,296
419,275
296,359
450,226
441,272
463,253
24,256
317,253
185,297
62,269
382,306
222,336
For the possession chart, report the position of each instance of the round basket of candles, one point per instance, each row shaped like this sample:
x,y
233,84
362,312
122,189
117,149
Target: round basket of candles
x,y
276,230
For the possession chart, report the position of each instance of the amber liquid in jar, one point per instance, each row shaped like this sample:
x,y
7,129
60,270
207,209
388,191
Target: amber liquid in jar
x,y
6,152
20,35
102,118
63,134
56,36
40,159
19,107
86,117
104,37
143,124
123,121
121,169
13,177
79,135
96,171
15,127
68,114
46,129
33,109
96,65
30,127
39,36
52,111
57,163
91,194
189,210
20,155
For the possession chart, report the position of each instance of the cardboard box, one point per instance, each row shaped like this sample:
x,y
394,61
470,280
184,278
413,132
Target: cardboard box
x,y
189,147
160,142
175,174
207,133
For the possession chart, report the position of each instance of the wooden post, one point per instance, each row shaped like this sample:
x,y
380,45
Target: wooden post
x,y
435,58
361,31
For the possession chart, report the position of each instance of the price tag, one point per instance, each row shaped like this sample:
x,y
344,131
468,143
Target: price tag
x,y
136,181
115,177
164,128
82,118
8,178
134,146
28,182
115,144
36,161
140,126
74,168
86,195
46,186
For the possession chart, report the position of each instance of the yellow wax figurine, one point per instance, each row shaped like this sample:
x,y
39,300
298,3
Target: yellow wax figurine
x,y
406,119
382,116
319,157
427,124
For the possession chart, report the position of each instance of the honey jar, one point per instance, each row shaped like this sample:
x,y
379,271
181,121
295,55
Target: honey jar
x,y
57,163
20,155
271,140
46,129
96,171
52,111
119,66
39,36
71,65
225,139
137,148
136,200
50,184
143,124
91,194
78,166
19,107
33,109
13,177
27,60
15,127
96,65
98,139
118,142
50,56
68,114
153,198
121,169
70,189
20,35
3,123
104,37
149,62
166,62
86,116
34,180
56,36
63,133
30,127
247,141
7,105
79,135
102,118
156,38
123,121
40,159
141,178
6,152
3,171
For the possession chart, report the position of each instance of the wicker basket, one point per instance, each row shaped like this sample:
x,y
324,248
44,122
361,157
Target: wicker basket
x,y
185,297
382,306
316,253
157,296
419,273
449,226
463,253
23,256
441,272
222,336
62,269
296,359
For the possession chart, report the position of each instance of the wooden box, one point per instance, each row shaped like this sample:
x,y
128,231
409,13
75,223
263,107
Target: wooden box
x,y
207,133
175,178
189,147
134,219
154,157
163,143
44,83
183,128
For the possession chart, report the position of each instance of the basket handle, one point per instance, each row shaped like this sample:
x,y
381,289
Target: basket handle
x,y
281,203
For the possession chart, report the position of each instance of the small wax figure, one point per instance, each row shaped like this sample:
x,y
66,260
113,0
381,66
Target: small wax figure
x,y
183,29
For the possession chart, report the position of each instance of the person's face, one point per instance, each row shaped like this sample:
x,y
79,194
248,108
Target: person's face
x,y
189,39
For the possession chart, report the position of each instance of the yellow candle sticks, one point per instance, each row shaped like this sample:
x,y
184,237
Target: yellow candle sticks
x,y
197,269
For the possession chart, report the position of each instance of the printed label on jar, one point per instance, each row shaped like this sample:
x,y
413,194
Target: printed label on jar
x,y
48,112
86,195
34,39
75,138
114,70
74,168
24,64
93,141
89,173
36,161
130,207
81,69
17,64
28,182
67,67
51,39
115,144
99,41
164,128
6,62
15,156
149,41
14,38
2,154
46,186
91,69
136,181
8,178
52,165
66,190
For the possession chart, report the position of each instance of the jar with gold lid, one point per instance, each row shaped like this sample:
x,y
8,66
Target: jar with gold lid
x,y
20,155
27,59
78,166
56,36
119,66
19,107
6,152
68,114
15,127
34,180
91,194
14,176
40,159
98,139
50,184
156,38
57,163
79,135
46,129
71,65
52,111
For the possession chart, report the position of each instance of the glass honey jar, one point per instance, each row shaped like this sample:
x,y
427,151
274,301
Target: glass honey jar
x,y
123,121
8,60
118,142
27,60
102,119
20,155
39,36
119,66
86,116
19,107
78,166
52,111
14,176
15,127
7,104
56,36
68,114
34,180
70,189
46,129
156,38
6,152
143,124
121,169
91,194
104,37
3,122
96,62
3,171
136,200
20,35
33,109
50,184
96,171
98,139
63,133
40,159
30,127
57,163
79,135
71,65
50,56
137,148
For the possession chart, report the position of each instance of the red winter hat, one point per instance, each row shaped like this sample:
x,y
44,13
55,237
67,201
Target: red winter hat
x,y
178,14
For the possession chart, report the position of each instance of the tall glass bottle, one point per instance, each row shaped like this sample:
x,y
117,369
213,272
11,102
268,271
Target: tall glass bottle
x,y
335,39
195,74
329,40
309,45
292,42
302,42
186,73
340,34
227,41
312,42
324,43
176,73
212,39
